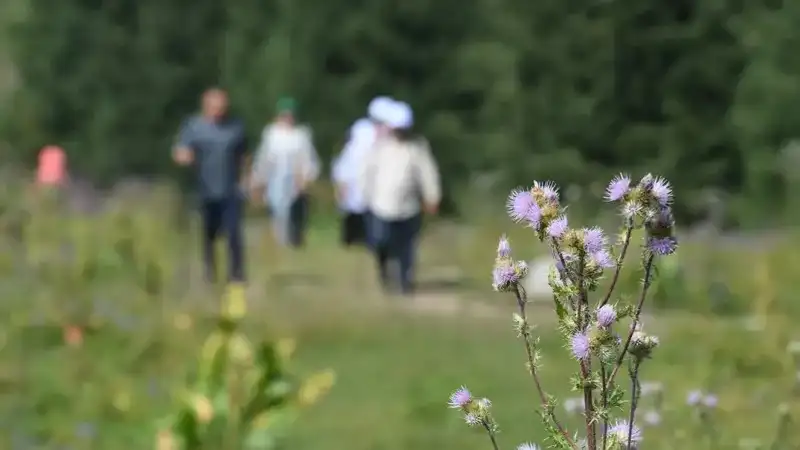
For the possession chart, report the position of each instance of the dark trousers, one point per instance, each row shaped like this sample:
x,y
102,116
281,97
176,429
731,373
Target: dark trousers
x,y
396,241
298,218
223,216
354,228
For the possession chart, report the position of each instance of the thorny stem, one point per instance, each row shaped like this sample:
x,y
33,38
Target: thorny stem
x,y
526,336
634,400
586,366
591,437
618,269
603,376
562,261
491,436
648,268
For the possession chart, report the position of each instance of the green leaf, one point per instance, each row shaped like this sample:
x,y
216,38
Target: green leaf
x,y
561,311
260,440
267,433
187,429
267,359
213,363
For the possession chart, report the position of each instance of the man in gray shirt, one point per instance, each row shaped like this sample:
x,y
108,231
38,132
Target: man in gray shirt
x,y
215,143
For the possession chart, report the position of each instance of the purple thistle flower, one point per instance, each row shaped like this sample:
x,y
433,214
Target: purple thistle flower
x,y
602,258
594,239
534,217
548,189
662,246
460,399
661,220
646,182
522,207
580,346
620,430
557,227
503,247
557,261
661,191
528,446
606,316
694,398
617,188
710,401
505,274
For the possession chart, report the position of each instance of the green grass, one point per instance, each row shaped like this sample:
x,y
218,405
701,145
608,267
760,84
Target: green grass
x,y
396,365
396,372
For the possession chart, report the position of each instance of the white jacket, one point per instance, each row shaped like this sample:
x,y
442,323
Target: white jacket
x,y
398,176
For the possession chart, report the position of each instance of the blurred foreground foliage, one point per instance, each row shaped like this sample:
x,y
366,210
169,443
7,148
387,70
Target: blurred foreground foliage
x,y
109,341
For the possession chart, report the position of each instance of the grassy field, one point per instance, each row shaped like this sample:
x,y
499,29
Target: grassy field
x,y
130,278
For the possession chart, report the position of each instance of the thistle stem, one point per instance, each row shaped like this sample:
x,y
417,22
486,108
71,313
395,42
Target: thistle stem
x,y
586,365
618,269
634,400
604,393
648,269
565,276
532,367
492,437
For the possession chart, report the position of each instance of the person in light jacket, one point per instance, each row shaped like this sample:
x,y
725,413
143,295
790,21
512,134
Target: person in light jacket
x,y
400,181
285,165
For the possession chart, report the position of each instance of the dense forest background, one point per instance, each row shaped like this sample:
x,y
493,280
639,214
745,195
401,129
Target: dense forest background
x,y
706,93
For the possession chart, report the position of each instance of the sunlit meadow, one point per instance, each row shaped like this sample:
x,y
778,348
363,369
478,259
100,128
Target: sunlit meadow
x,y
106,318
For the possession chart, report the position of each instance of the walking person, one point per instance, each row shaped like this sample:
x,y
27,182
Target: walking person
x,y
401,180
285,165
346,175
215,144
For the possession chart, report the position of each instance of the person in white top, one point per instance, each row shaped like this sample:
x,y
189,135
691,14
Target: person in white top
x,y
285,164
347,167
400,180
346,171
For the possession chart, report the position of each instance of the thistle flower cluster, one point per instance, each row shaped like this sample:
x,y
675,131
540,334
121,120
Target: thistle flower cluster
x,y
583,259
477,411
642,344
507,273
648,204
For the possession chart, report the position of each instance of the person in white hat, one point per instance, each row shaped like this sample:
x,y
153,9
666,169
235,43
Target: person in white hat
x,y
346,171
400,181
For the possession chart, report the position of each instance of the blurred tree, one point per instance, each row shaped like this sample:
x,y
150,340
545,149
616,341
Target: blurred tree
x,y
108,81
505,90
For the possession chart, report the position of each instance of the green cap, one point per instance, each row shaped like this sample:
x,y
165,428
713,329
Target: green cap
x,y
286,105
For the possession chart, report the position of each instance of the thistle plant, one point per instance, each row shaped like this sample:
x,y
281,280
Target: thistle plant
x,y
243,396
592,328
